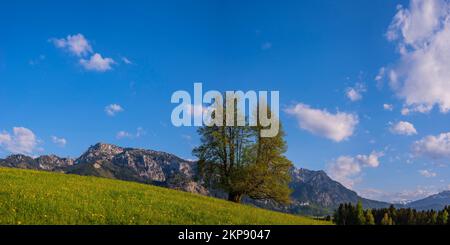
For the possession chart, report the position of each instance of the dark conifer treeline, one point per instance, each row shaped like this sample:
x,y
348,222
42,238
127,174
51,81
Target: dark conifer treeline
x,y
348,214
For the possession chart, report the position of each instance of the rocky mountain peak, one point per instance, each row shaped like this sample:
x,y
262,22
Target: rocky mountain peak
x,y
303,175
106,148
99,152
53,162
147,166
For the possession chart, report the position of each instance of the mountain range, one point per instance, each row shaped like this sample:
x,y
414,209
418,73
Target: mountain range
x,y
437,202
314,192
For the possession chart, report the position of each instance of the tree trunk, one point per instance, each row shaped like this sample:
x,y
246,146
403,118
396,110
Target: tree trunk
x,y
234,197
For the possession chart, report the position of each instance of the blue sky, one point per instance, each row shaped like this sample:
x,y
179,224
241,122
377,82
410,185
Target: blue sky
x,y
323,57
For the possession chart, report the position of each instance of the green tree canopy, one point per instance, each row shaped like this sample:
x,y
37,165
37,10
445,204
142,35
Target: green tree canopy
x,y
237,160
360,218
370,220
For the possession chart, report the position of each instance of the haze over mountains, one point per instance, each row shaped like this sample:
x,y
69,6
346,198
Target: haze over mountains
x,y
314,192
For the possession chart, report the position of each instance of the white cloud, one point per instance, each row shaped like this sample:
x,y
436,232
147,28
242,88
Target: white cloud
x,y
405,111
344,170
403,128
371,160
352,94
418,108
76,44
97,63
80,46
113,109
416,24
433,146
347,169
427,173
59,141
336,127
21,141
140,132
380,77
126,61
388,107
422,76
355,93
124,134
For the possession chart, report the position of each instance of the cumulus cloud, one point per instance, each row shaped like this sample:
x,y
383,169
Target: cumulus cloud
x,y
97,63
415,25
435,147
422,75
76,44
113,109
388,107
344,170
336,127
21,141
347,169
59,141
419,108
427,173
352,94
371,160
80,46
403,128
355,93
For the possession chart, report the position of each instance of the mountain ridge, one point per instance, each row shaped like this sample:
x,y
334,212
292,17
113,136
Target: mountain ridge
x,y
436,202
314,192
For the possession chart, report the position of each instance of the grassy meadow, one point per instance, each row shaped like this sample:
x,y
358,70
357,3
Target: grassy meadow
x,y
39,197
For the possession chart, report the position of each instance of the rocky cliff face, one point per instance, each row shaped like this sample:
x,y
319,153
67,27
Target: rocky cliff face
x,y
99,153
140,165
316,188
52,162
313,191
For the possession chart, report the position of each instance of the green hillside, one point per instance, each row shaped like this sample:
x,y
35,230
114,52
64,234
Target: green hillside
x,y
38,197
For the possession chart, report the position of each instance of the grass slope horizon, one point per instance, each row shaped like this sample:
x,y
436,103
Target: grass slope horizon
x,y
40,197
